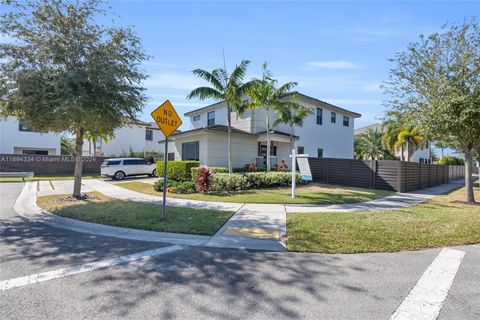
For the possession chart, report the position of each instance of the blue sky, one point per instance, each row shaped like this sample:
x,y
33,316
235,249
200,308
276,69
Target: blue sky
x,y
336,51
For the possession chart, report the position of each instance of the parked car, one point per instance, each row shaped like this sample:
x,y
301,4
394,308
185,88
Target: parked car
x,y
119,168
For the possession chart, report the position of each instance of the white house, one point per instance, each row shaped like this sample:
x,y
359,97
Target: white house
x,y
326,133
137,136
17,138
422,154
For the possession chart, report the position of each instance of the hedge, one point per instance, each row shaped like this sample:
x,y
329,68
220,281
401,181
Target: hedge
x,y
235,181
178,170
194,171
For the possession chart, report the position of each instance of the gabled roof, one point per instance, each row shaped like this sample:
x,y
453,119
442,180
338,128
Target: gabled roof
x,y
296,93
215,127
364,129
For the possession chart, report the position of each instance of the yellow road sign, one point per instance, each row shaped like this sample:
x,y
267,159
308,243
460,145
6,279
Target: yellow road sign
x,y
166,118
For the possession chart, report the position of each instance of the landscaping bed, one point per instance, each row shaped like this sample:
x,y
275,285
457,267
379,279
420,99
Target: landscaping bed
x,y
99,208
442,221
308,194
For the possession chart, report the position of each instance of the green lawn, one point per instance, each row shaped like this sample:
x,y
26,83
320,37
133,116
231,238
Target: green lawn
x,y
104,210
442,221
309,194
42,177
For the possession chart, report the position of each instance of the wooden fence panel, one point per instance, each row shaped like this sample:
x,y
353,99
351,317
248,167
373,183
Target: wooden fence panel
x,y
388,175
337,171
361,173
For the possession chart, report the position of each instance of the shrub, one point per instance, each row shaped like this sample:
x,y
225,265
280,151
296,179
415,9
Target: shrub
x,y
158,186
450,160
249,167
234,182
178,170
202,176
194,171
227,182
184,187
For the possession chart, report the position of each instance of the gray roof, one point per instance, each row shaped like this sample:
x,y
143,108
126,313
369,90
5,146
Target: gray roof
x,y
364,129
300,95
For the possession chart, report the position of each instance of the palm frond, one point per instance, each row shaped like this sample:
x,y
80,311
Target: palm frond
x,y
210,77
206,93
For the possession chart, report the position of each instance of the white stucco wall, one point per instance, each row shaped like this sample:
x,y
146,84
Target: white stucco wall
x,y
12,140
244,149
335,139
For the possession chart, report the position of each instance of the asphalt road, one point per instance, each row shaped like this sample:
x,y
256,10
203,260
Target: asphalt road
x,y
199,283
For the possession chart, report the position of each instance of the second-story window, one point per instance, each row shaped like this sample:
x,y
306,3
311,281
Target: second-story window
x,y
211,118
346,121
196,118
319,115
149,135
333,117
22,126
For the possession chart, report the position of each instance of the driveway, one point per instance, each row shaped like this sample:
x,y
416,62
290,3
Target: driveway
x,y
201,283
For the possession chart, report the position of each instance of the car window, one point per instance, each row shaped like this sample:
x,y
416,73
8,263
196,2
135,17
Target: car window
x,y
112,163
129,162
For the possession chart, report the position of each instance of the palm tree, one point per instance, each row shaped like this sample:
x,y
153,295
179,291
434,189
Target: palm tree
x,y
391,129
292,115
371,144
229,88
410,137
265,94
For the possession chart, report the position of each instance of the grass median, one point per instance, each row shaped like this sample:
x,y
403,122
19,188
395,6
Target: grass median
x,y
442,221
99,208
308,194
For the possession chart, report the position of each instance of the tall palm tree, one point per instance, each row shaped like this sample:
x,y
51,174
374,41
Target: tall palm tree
x,y
229,88
391,129
410,137
292,114
265,94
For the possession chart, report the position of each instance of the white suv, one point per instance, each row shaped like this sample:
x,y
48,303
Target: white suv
x,y
119,168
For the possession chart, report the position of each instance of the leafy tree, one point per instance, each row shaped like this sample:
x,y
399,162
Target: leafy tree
x,y
229,88
265,94
67,72
292,115
435,84
67,147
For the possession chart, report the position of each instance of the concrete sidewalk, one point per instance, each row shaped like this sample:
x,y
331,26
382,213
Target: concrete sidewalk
x,y
267,218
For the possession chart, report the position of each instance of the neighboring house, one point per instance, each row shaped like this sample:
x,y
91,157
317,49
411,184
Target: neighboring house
x,y
17,138
326,133
422,154
137,136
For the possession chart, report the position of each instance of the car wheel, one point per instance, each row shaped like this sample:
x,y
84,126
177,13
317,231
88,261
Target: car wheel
x,y
154,173
119,175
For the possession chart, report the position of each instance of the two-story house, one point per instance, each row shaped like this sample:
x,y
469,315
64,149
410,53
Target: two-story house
x,y
328,132
136,136
17,138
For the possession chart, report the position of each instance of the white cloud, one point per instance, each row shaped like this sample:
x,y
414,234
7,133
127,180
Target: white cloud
x,y
334,64
173,81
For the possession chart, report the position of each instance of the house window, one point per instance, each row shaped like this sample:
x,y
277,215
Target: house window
x,y
171,156
426,145
191,150
300,150
319,153
196,118
42,152
23,127
211,118
319,115
149,135
262,150
333,117
346,121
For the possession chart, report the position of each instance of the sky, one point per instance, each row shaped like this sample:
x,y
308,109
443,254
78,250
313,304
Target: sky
x,y
337,51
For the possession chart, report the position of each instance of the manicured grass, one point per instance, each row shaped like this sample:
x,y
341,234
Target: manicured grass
x,y
442,221
46,177
309,194
104,210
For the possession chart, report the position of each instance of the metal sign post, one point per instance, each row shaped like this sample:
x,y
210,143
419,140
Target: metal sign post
x,y
168,121
165,160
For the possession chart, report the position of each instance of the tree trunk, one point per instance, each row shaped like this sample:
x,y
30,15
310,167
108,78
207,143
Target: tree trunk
x,y
403,154
468,174
77,184
229,138
268,139
95,147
